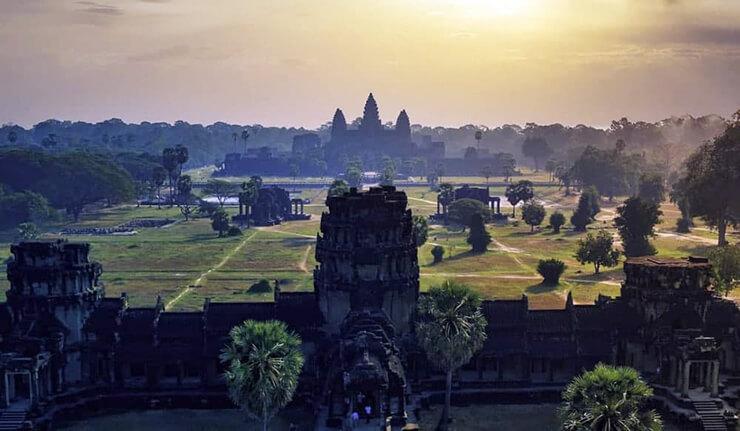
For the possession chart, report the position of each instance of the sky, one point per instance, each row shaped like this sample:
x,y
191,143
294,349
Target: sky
x,y
293,62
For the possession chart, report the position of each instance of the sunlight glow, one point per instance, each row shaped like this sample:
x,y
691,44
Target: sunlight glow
x,y
502,8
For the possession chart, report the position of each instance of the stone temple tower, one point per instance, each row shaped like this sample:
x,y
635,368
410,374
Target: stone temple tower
x,y
367,258
53,289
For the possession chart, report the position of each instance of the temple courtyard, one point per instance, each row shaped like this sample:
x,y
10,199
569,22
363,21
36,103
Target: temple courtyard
x,y
185,262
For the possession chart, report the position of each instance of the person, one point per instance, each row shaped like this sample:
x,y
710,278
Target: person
x,y
368,413
355,418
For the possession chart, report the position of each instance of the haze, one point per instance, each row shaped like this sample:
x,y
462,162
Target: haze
x,y
291,62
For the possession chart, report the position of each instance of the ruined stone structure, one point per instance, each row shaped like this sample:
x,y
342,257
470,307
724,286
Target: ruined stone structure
x,y
273,206
64,345
482,195
367,285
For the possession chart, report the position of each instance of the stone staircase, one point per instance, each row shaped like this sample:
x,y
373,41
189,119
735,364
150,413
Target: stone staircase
x,y
711,416
11,420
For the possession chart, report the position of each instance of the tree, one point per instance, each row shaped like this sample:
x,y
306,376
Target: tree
x,y
264,362
388,174
69,180
28,231
533,214
220,221
550,166
159,175
462,210
220,189
184,187
652,188
598,250
522,191
478,237
557,219
608,398
713,180
187,203
635,222
726,266
471,153
551,270
182,156
450,329
294,171
421,229
588,207
250,194
508,165
245,137
353,173
338,188
170,162
438,252
679,196
446,194
487,173
537,149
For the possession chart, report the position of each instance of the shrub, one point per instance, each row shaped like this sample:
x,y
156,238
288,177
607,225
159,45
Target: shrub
x,y
262,286
533,214
234,231
551,270
557,219
438,253
478,238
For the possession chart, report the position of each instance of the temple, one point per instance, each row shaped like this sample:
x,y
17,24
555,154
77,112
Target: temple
x,y
66,349
371,142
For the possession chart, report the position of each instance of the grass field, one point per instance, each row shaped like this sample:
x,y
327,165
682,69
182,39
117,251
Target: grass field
x,y
186,262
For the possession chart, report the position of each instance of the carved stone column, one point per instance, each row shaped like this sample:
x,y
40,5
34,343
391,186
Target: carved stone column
x,y
686,377
715,379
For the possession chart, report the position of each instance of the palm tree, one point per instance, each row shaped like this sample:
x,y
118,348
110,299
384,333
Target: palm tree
x,y
450,329
608,398
264,361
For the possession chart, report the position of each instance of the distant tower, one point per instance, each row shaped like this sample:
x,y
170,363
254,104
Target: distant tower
x,y
53,290
367,258
338,124
403,126
370,117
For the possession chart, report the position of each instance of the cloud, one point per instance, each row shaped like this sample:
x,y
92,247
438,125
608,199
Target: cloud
x,y
176,51
99,8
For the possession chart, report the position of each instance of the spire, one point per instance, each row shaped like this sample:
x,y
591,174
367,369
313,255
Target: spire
x,y
403,126
338,124
370,117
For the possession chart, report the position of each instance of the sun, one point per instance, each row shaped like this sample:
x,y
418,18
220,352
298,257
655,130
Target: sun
x,y
501,8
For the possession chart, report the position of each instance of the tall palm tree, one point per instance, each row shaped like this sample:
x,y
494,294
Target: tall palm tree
x,y
264,361
450,329
608,399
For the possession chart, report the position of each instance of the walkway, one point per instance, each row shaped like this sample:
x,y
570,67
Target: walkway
x,y
198,281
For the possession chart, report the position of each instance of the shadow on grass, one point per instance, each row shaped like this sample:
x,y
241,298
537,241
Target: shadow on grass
x,y
296,242
541,288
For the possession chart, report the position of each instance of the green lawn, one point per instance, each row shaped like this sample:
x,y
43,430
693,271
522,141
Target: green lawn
x,y
186,262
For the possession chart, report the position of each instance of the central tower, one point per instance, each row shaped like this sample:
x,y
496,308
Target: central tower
x,y
367,258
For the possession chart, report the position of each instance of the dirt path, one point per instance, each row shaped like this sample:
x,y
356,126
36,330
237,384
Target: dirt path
x,y
198,281
687,237
285,232
302,263
423,200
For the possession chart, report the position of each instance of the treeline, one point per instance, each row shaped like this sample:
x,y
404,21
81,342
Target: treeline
x,y
67,181
671,139
207,144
